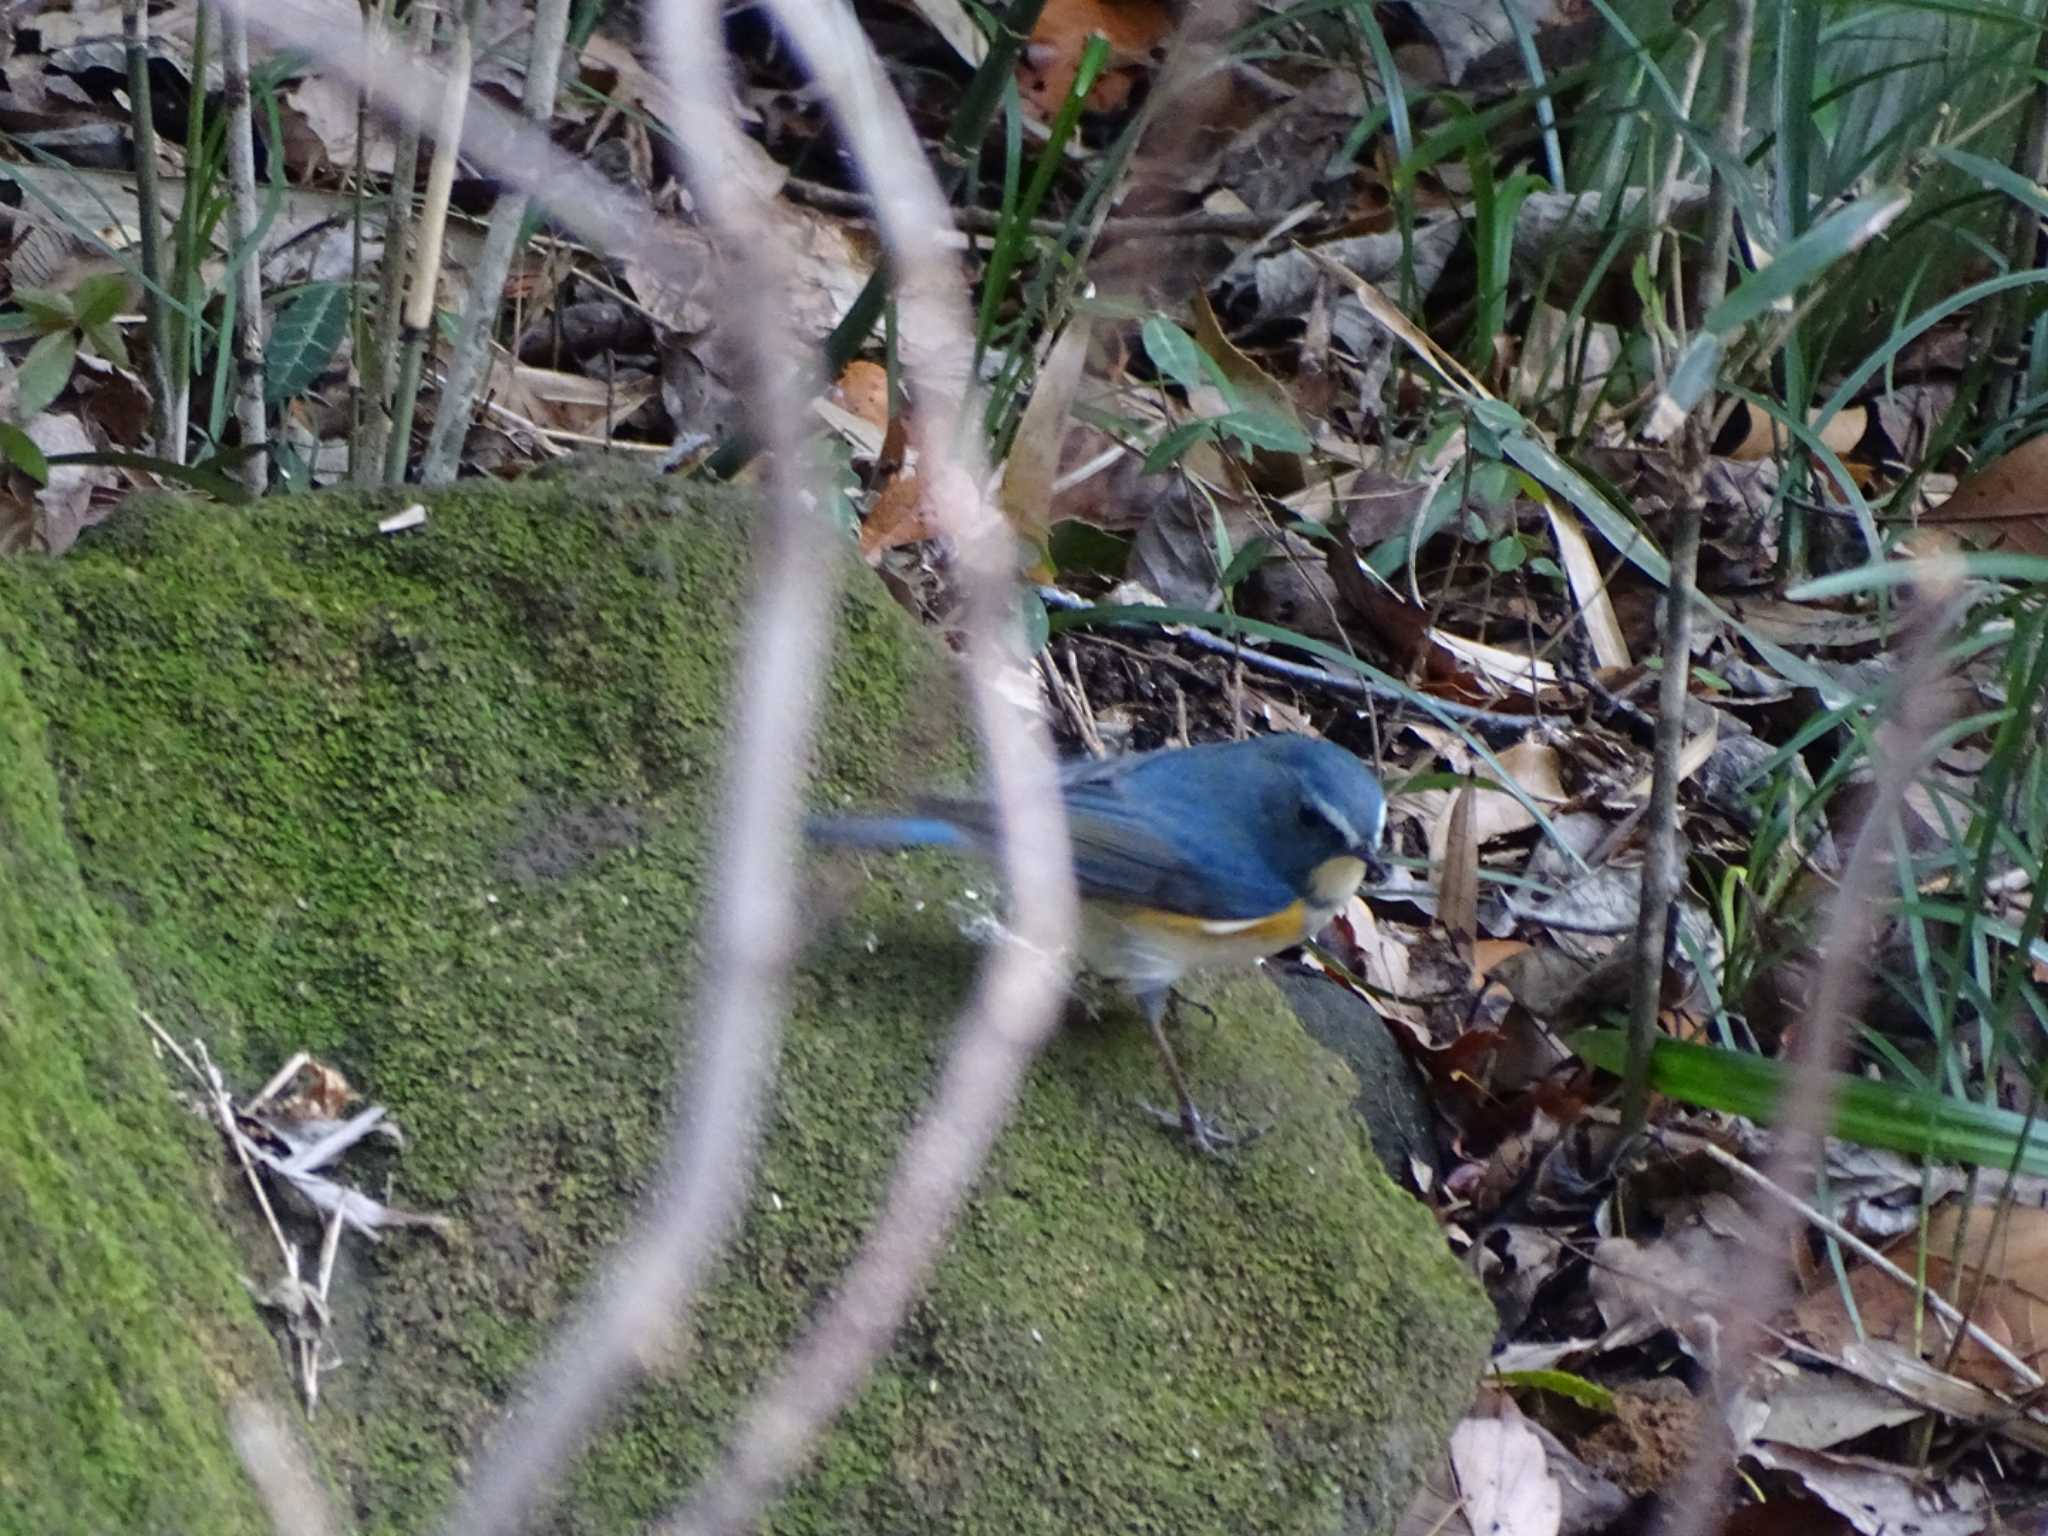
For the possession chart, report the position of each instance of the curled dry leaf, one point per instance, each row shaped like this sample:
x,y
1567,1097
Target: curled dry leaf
x,y
863,392
60,511
1534,767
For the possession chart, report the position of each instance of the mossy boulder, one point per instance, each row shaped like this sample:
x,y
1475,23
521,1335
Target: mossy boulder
x,y
436,807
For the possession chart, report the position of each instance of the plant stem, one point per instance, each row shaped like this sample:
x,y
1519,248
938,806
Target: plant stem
x,y
149,217
465,370
246,236
418,321
1662,864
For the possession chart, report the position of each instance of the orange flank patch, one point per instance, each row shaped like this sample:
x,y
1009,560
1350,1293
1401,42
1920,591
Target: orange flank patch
x,y
1287,926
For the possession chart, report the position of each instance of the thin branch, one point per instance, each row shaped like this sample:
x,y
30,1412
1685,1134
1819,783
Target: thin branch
x,y
1849,938
426,256
397,235
1662,864
645,1292
150,217
988,221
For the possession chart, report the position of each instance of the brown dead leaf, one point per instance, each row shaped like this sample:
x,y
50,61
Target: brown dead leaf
x,y
863,391
573,404
1052,57
2014,1309
1534,767
901,515
65,507
1751,435
1277,474
2002,505
1458,871
1032,469
1879,1499
1503,1477
319,121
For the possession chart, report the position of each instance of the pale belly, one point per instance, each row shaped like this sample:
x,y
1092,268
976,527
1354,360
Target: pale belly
x,y
1149,952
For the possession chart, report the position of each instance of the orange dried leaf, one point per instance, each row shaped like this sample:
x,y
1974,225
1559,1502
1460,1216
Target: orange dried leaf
x,y
1134,29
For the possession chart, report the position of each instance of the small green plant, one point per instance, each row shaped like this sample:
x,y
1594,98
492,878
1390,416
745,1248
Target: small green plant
x,y
1177,355
64,324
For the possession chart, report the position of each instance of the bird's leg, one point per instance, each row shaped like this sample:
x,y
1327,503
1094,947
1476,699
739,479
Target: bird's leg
x,y
1207,1136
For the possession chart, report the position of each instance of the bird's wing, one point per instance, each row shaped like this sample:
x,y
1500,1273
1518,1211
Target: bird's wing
x,y
1123,852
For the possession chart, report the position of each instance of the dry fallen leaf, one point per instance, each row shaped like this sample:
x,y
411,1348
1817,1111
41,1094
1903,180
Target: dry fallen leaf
x,y
1134,29
1504,1478
2001,505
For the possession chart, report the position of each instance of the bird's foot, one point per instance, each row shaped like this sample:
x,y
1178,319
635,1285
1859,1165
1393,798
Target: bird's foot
x,y
1207,1136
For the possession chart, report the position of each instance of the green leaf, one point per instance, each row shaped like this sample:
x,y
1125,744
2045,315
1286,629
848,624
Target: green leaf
x,y
1805,259
1173,444
46,309
2028,193
1033,621
104,339
1919,1124
1246,560
98,298
208,477
1587,1394
1078,546
1508,553
1899,573
309,327
44,373
1264,430
1174,353
21,451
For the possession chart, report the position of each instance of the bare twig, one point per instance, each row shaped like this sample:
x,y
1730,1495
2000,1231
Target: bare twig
x,y
1849,938
426,255
1307,675
397,234
640,1301
2024,1373
150,218
1014,1009
988,221
1662,869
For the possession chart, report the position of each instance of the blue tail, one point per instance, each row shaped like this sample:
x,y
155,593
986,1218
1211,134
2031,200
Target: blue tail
x,y
886,832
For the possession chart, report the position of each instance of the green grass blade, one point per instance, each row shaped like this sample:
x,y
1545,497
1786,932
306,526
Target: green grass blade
x,y
1919,1124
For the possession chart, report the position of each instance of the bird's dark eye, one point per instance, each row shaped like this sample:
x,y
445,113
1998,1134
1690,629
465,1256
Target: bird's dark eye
x,y
1311,816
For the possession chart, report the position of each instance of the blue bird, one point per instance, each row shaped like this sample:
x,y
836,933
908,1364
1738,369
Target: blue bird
x,y
1187,859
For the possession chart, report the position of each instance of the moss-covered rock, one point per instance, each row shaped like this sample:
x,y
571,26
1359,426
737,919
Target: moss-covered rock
x,y
434,807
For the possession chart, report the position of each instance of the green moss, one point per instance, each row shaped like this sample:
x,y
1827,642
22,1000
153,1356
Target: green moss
x,y
122,1324
435,807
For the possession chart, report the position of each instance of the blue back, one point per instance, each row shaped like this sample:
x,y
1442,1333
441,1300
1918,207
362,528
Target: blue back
x,y
1228,830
